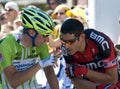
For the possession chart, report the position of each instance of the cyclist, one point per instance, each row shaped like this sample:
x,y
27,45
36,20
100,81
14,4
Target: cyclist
x,y
24,53
90,57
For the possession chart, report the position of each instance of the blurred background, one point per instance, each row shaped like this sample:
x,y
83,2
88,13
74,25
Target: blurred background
x,y
102,15
43,3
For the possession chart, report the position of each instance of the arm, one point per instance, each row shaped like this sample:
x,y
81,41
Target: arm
x,y
80,83
84,84
110,76
17,78
51,77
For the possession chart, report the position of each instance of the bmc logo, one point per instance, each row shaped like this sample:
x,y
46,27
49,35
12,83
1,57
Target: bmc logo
x,y
94,65
100,39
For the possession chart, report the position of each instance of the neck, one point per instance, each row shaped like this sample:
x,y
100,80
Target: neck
x,y
83,46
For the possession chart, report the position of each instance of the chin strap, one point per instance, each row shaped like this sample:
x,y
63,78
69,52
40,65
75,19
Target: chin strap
x,y
32,37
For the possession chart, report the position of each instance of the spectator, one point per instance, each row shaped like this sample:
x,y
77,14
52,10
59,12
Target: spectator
x,y
59,16
3,17
60,12
78,13
5,30
17,22
53,4
12,11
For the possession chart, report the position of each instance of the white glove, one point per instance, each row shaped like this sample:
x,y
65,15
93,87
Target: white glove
x,y
47,62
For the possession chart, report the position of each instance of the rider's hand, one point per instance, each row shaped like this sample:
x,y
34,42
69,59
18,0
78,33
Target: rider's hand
x,y
47,62
76,70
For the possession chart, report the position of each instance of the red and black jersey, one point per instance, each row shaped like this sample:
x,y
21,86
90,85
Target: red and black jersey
x,y
99,52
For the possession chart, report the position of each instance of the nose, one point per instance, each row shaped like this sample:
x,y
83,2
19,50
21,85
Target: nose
x,y
58,15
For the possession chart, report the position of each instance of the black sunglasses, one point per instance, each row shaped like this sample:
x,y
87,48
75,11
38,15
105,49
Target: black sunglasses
x,y
60,13
69,42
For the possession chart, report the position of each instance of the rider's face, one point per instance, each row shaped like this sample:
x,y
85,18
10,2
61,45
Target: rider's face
x,y
73,43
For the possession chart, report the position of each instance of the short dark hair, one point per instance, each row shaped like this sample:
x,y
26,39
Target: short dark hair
x,y
72,26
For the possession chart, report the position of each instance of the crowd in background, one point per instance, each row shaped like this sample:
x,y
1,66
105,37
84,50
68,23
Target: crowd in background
x,y
10,15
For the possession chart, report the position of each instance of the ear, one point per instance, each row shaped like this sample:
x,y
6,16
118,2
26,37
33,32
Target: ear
x,y
82,36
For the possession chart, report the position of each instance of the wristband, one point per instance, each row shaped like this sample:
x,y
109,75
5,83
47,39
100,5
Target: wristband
x,y
42,62
47,62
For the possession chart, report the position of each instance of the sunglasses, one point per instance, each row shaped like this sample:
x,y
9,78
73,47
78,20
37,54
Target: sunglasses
x,y
60,13
69,42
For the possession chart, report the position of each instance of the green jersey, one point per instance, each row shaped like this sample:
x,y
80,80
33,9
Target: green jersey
x,y
13,53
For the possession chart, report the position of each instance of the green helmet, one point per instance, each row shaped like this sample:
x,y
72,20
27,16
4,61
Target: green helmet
x,y
38,20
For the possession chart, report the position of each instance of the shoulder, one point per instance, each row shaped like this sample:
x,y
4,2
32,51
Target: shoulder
x,y
103,42
96,36
94,33
8,40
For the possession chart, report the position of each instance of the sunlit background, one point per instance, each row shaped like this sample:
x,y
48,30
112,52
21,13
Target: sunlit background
x,y
43,3
102,14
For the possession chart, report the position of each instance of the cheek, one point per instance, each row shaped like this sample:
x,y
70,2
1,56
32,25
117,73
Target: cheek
x,y
60,17
39,40
76,47
26,41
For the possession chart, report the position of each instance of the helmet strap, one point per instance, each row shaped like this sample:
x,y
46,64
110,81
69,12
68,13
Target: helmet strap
x,y
33,37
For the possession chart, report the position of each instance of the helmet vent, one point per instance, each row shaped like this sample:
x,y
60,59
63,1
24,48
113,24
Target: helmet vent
x,y
40,26
49,26
42,16
28,13
23,21
27,18
38,19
